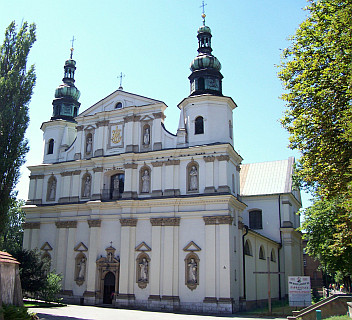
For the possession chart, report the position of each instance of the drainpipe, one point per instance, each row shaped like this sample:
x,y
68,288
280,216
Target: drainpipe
x,y
280,247
244,263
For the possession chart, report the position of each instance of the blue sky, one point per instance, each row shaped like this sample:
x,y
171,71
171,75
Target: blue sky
x,y
152,43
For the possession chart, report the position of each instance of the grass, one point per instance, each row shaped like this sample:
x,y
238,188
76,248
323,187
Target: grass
x,y
339,318
41,304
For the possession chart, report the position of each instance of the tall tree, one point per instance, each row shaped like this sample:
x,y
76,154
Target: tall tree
x,y
316,71
16,88
12,237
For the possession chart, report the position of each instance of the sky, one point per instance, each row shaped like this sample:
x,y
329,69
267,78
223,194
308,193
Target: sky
x,y
153,43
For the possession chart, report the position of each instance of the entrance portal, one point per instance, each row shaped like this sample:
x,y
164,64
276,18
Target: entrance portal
x,y
109,287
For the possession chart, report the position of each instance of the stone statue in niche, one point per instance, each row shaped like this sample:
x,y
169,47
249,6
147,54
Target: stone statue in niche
x,y
116,184
145,182
143,265
81,269
86,189
193,179
52,189
146,136
192,271
110,257
89,145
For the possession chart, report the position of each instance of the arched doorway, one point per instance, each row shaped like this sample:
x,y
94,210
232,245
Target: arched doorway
x,y
109,287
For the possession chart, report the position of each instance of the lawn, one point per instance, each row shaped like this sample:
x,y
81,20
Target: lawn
x,y
41,304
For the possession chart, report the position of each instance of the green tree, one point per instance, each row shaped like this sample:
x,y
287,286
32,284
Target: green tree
x,y
12,237
316,71
16,88
33,271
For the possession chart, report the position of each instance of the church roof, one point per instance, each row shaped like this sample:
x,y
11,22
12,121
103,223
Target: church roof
x,y
266,178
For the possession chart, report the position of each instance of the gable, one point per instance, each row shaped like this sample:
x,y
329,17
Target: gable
x,y
120,99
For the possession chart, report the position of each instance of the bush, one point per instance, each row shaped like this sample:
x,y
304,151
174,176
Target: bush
x,y
11,312
52,287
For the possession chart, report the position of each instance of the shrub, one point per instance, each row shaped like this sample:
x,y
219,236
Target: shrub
x,y
11,312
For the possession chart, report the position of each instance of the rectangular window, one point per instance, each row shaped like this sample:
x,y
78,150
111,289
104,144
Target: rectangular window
x,y
255,219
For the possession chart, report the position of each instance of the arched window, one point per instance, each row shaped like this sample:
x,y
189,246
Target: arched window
x,y
248,248
117,184
261,253
199,125
255,219
51,146
272,256
118,105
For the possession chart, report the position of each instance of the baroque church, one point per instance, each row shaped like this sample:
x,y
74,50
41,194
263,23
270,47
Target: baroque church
x,y
135,216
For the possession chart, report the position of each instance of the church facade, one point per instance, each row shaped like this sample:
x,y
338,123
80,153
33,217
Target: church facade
x,y
135,216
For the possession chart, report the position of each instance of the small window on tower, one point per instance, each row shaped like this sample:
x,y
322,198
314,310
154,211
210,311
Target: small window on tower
x,y
201,84
199,125
51,146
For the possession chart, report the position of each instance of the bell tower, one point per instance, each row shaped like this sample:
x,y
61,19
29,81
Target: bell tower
x,y
206,115
60,132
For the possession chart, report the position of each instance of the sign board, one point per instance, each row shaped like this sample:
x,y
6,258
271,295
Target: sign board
x,y
299,291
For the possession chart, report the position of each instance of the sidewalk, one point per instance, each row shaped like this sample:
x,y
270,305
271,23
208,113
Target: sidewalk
x,y
73,312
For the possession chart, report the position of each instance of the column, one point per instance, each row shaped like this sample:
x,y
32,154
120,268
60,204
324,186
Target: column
x,y
175,284
98,146
169,175
65,186
209,174
75,193
156,178
224,266
223,181
129,168
32,187
157,130
127,261
155,259
28,228
60,249
70,260
96,185
168,261
210,259
94,243
39,189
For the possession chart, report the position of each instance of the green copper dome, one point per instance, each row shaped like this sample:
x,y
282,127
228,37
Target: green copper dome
x,y
204,29
64,90
70,62
205,61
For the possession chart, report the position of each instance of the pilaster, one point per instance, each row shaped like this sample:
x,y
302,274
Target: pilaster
x,y
70,260
156,178
209,174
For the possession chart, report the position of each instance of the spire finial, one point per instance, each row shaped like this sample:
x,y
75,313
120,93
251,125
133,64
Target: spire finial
x,y
203,14
72,41
120,77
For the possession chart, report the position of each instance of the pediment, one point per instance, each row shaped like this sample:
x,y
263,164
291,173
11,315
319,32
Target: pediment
x,y
143,247
46,247
81,247
191,247
146,118
108,103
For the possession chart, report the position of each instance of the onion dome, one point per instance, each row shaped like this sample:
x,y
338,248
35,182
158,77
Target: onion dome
x,y
205,77
65,104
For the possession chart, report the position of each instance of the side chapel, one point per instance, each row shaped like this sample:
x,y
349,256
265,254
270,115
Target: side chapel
x,y
133,215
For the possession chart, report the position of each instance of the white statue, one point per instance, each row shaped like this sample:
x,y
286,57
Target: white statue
x,y
89,145
192,271
116,183
193,179
143,265
145,182
82,269
146,136
52,190
86,191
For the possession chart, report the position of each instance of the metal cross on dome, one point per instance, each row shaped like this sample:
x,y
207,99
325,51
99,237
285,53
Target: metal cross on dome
x,y
72,41
203,12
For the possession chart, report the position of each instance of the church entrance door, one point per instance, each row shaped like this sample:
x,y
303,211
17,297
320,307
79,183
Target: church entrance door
x,y
109,287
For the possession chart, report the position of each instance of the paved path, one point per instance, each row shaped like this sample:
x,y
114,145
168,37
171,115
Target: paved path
x,y
73,312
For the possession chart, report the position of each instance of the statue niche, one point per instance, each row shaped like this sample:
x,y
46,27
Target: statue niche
x,y
192,271
145,180
142,268
80,269
193,177
51,192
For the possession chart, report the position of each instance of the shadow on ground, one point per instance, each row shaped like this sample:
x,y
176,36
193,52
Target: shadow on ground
x,y
44,316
